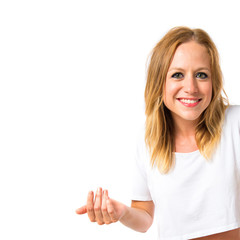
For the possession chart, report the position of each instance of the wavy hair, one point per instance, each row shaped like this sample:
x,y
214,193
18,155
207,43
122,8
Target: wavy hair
x,y
159,130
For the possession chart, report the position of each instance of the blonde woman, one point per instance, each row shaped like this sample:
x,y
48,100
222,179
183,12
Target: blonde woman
x,y
188,157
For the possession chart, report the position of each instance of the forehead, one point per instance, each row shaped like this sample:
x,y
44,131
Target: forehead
x,y
191,54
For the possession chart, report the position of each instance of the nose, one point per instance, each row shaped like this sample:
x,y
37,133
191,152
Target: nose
x,y
190,85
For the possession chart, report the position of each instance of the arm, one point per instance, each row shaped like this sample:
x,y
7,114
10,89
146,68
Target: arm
x,y
140,216
104,210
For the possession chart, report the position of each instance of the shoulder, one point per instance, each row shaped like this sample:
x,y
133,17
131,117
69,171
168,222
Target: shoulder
x,y
232,118
233,113
233,110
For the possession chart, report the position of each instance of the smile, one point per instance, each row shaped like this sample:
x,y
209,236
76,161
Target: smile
x,y
189,102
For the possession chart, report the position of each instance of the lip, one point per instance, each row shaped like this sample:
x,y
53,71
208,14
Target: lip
x,y
189,98
190,104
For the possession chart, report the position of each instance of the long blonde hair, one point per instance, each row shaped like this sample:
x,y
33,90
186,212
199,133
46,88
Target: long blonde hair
x,y
159,131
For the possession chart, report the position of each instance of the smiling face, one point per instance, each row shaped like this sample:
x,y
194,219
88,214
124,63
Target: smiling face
x,y
188,88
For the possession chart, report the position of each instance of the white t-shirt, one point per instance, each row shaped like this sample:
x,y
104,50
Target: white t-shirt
x,y
198,198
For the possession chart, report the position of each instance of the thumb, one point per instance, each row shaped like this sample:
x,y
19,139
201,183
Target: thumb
x,y
82,210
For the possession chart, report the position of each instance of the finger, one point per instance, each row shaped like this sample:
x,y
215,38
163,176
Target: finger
x,y
82,210
106,217
111,211
97,207
90,207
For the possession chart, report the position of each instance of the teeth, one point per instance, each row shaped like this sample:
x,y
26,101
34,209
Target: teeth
x,y
188,101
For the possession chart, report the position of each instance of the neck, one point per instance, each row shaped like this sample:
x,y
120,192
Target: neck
x,y
185,128
184,139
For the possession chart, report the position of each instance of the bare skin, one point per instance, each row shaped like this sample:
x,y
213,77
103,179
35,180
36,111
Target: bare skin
x,y
186,80
105,210
139,216
186,144
229,235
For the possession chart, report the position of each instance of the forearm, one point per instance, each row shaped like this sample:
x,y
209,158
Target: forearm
x,y
137,219
105,210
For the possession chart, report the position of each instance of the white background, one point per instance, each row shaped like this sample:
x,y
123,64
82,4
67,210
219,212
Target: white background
x,y
72,76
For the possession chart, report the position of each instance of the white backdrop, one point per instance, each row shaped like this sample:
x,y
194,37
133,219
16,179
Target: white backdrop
x,y
72,76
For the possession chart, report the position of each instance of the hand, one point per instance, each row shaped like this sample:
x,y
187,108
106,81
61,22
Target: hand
x,y
102,210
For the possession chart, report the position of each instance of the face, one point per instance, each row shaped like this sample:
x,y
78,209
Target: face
x,y
188,88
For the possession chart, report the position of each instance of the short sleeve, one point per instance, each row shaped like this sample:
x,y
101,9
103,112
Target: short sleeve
x,y
140,189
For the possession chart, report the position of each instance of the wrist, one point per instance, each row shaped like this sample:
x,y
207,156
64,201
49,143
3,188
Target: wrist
x,y
125,214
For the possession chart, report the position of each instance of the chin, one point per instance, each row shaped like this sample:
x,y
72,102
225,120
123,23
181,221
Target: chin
x,y
191,117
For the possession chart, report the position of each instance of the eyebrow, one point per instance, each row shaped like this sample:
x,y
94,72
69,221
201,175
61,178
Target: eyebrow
x,y
181,69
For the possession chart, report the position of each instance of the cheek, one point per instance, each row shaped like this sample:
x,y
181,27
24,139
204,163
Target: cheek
x,y
170,92
171,88
207,91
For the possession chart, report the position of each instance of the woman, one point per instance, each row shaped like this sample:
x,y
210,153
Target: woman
x,y
188,156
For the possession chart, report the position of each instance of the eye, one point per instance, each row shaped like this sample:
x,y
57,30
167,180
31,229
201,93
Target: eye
x,y
201,75
177,75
